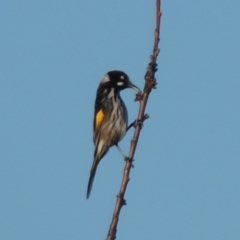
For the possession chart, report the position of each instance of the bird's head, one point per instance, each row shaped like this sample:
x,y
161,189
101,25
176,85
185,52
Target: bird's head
x,y
118,81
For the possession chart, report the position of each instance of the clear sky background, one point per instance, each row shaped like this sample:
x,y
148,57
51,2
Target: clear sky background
x,y
186,180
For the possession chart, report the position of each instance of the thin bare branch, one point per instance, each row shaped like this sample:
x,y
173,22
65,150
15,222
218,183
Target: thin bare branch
x,y
150,83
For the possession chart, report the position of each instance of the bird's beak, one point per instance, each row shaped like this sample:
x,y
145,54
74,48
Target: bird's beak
x,y
134,87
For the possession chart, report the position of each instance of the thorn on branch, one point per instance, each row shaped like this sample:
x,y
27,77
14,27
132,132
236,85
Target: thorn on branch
x,y
146,116
154,84
122,200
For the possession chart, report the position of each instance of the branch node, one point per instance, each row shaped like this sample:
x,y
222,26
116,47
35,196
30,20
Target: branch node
x,y
138,97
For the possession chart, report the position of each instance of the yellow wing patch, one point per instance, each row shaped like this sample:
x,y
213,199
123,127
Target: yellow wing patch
x,y
99,118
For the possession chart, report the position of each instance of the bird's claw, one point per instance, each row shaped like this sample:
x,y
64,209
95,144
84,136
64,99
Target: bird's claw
x,y
138,122
127,159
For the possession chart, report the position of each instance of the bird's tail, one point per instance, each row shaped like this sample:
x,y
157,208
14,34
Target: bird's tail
x,y
92,175
99,153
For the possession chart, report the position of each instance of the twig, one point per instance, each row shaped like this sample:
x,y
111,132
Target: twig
x,y
150,83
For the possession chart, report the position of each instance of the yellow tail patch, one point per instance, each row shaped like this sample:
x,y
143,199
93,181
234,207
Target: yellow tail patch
x,y
99,118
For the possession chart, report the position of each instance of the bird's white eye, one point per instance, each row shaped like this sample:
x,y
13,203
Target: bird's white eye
x,y
120,83
122,77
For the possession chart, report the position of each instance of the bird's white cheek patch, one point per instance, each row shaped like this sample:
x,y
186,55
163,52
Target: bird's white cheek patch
x,y
120,83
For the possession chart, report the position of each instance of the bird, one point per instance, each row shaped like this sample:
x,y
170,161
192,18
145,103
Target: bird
x,y
110,122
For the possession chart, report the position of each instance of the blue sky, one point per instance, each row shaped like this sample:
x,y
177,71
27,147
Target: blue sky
x,y
185,184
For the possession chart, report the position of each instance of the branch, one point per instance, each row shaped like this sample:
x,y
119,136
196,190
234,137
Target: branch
x,y
150,83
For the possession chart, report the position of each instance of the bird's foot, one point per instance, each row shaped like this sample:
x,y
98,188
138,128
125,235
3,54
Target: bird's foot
x,y
127,159
138,122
